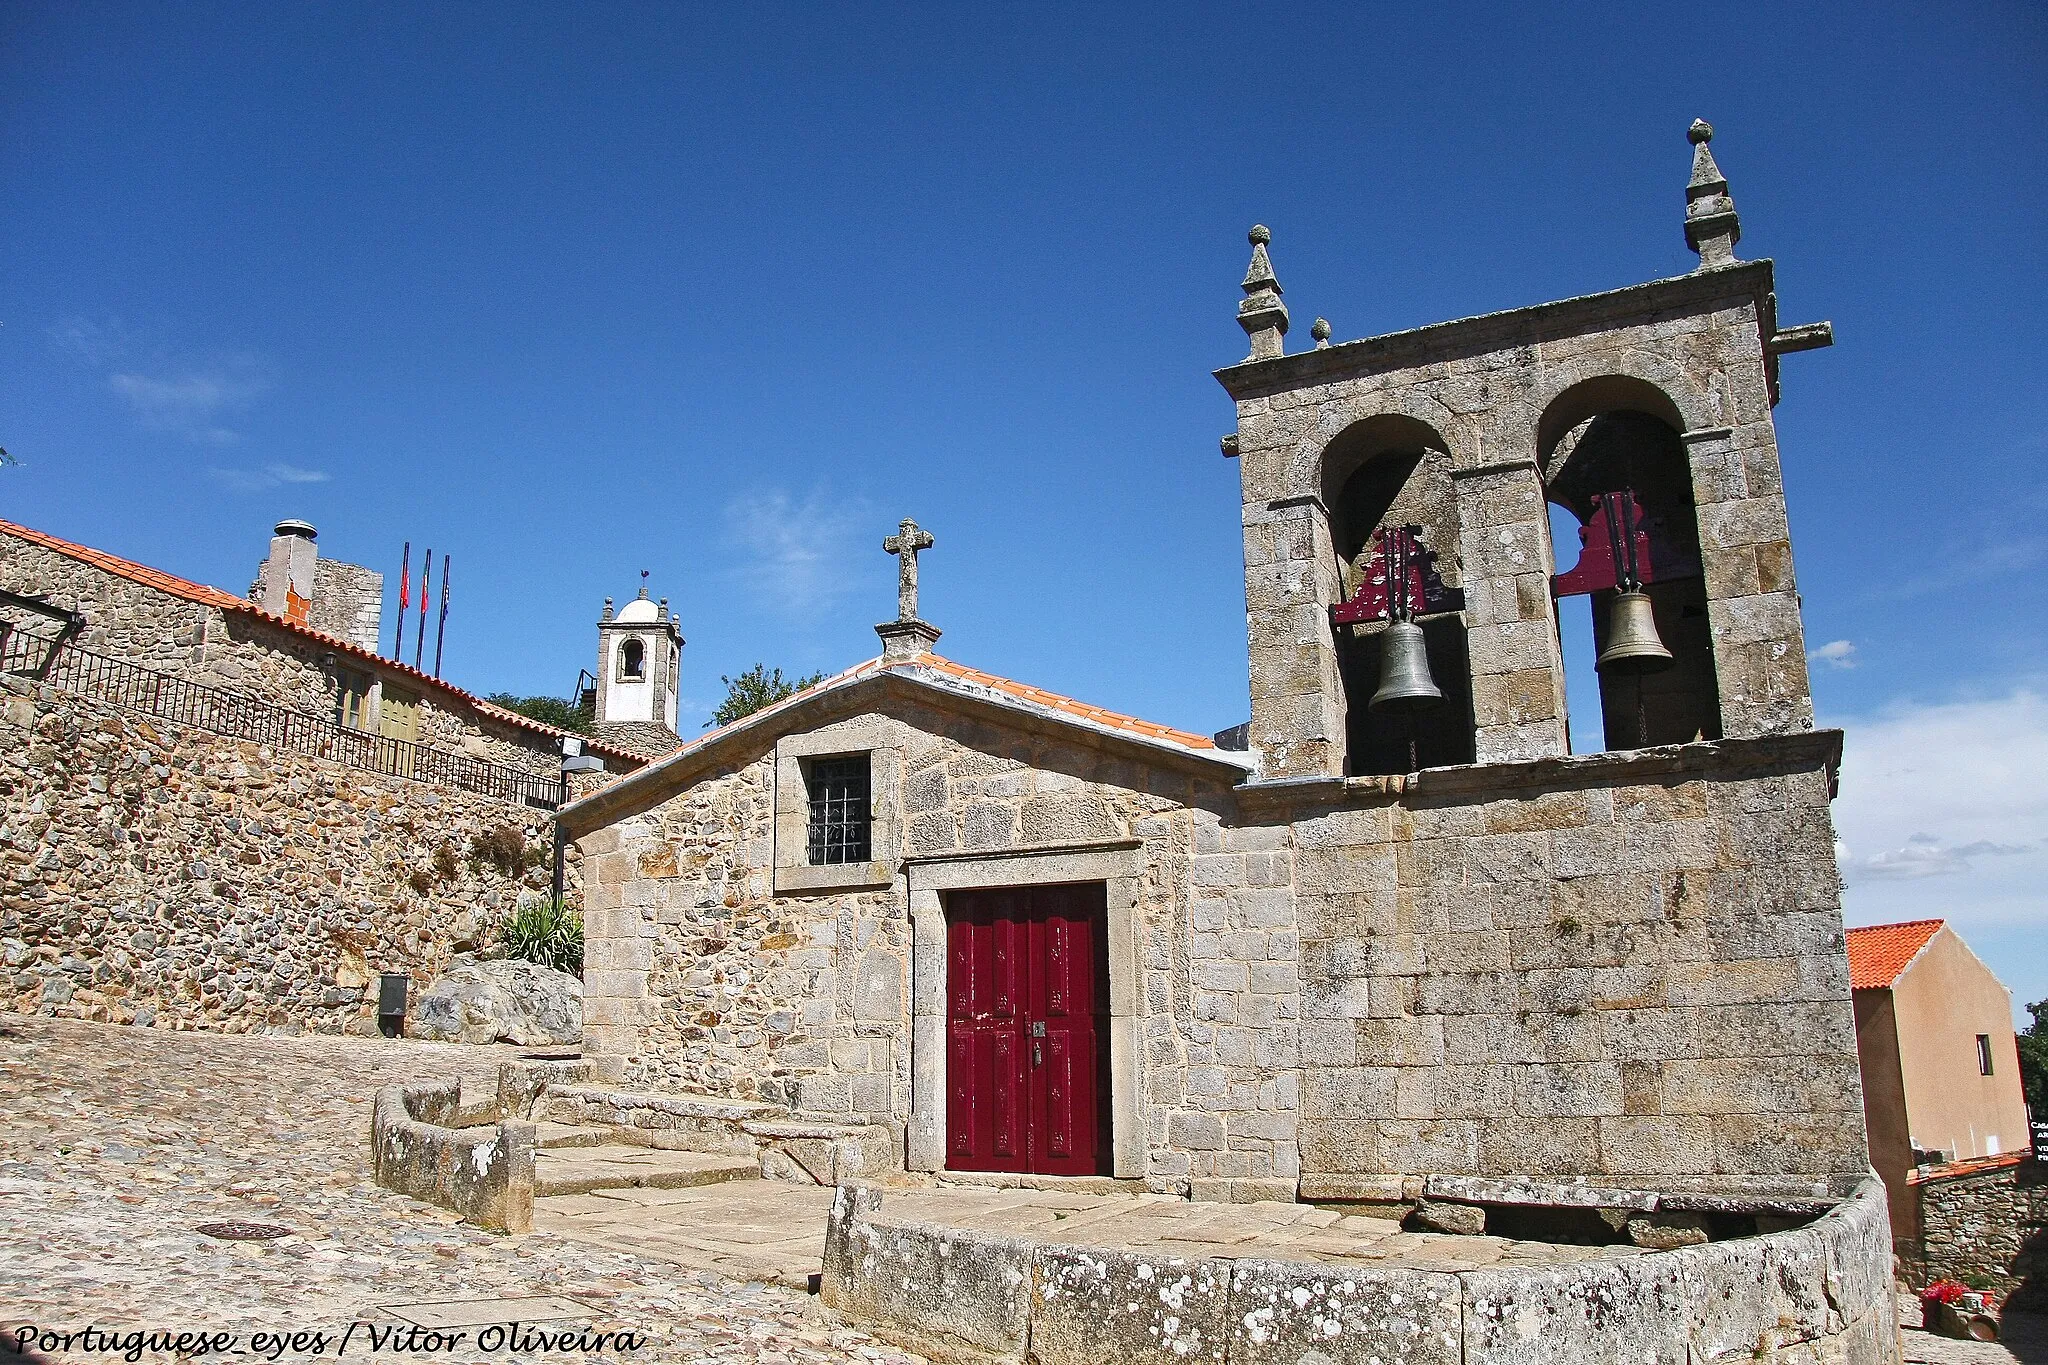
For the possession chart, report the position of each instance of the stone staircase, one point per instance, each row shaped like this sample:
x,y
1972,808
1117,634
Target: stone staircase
x,y
590,1137
616,1166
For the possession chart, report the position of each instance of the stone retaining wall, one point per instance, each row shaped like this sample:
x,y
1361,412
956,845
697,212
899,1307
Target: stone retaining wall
x,y
1816,1293
1985,1225
157,874
485,1174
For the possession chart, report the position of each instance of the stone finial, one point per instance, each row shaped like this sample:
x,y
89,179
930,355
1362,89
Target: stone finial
x,y
661,610
1262,315
1711,227
607,610
1320,330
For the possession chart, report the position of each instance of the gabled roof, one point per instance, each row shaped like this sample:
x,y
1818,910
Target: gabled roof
x,y
172,585
927,671
1880,953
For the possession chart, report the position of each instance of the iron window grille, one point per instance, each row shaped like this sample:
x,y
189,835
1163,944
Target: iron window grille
x,y
841,820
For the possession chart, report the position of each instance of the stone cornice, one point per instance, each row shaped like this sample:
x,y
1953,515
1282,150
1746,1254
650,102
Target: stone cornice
x,y
1702,289
1722,758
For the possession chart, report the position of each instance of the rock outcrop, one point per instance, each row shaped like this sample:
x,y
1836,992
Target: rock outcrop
x,y
510,1001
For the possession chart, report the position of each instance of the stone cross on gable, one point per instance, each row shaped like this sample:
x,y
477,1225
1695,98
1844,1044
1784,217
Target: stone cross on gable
x,y
909,539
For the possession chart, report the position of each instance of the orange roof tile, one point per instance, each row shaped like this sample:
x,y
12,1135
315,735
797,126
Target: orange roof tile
x,y
1878,953
1038,696
184,588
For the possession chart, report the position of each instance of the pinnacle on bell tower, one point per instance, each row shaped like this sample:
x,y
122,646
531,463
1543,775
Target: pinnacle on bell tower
x,y
1711,227
1262,315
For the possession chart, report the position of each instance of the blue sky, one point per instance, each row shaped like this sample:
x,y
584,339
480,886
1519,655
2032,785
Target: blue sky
x,y
723,292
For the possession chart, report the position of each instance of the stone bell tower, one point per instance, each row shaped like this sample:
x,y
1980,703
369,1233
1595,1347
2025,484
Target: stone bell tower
x,y
639,659
1464,433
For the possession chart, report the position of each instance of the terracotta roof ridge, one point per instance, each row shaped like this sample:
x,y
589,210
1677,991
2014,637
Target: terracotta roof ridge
x,y
1099,715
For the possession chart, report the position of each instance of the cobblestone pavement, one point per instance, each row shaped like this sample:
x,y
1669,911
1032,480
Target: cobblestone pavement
x,y
116,1143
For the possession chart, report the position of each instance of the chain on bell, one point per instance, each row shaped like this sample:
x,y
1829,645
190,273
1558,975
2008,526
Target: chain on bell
x,y
1405,684
1632,643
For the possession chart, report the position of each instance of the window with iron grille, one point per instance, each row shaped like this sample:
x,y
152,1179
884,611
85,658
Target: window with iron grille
x,y
840,819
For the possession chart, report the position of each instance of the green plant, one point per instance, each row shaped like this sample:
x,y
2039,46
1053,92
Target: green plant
x,y
563,715
546,931
754,689
2033,1045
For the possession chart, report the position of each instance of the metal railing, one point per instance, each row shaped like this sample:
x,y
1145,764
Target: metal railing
x,y
122,684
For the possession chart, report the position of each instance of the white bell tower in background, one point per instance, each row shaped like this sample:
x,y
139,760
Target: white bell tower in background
x,y
639,654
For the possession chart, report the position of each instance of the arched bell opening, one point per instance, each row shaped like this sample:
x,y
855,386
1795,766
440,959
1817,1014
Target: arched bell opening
x,y
1399,628
1622,474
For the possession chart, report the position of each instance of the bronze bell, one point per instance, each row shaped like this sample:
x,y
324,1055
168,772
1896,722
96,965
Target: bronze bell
x,y
1632,643
1405,684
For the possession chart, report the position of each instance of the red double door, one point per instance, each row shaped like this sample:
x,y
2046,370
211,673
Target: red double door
x,y
1027,1030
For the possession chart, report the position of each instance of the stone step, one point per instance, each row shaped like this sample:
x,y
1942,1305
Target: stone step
x,y
580,1170
552,1134
1064,1184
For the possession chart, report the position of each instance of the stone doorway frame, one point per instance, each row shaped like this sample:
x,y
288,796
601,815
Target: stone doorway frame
x,y
1119,866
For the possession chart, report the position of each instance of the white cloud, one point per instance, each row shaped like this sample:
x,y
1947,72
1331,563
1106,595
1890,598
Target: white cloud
x,y
193,397
1836,654
2010,552
1943,811
194,403
798,556
268,476
95,343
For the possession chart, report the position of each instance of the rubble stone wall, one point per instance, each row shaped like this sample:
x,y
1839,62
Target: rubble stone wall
x,y
159,874
135,623
1986,1227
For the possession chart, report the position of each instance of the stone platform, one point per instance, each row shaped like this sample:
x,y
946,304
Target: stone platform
x,y
1111,1280
774,1231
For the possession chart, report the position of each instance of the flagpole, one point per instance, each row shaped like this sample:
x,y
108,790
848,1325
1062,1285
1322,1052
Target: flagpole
x,y
441,628
419,643
404,592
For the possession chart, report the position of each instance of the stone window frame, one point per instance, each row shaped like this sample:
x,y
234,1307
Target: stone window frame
x,y
625,654
883,746
1119,865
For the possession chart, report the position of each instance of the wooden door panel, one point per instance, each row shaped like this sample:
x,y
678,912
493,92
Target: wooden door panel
x,y
1027,1009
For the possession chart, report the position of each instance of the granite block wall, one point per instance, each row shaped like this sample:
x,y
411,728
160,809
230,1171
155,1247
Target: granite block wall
x,y
1635,978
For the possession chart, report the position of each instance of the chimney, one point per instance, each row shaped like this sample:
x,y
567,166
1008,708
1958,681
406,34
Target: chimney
x,y
285,583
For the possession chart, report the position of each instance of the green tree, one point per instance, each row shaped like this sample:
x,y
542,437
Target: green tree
x,y
563,715
2033,1041
754,689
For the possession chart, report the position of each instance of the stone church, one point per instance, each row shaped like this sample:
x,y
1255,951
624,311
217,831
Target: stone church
x,y
1396,928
